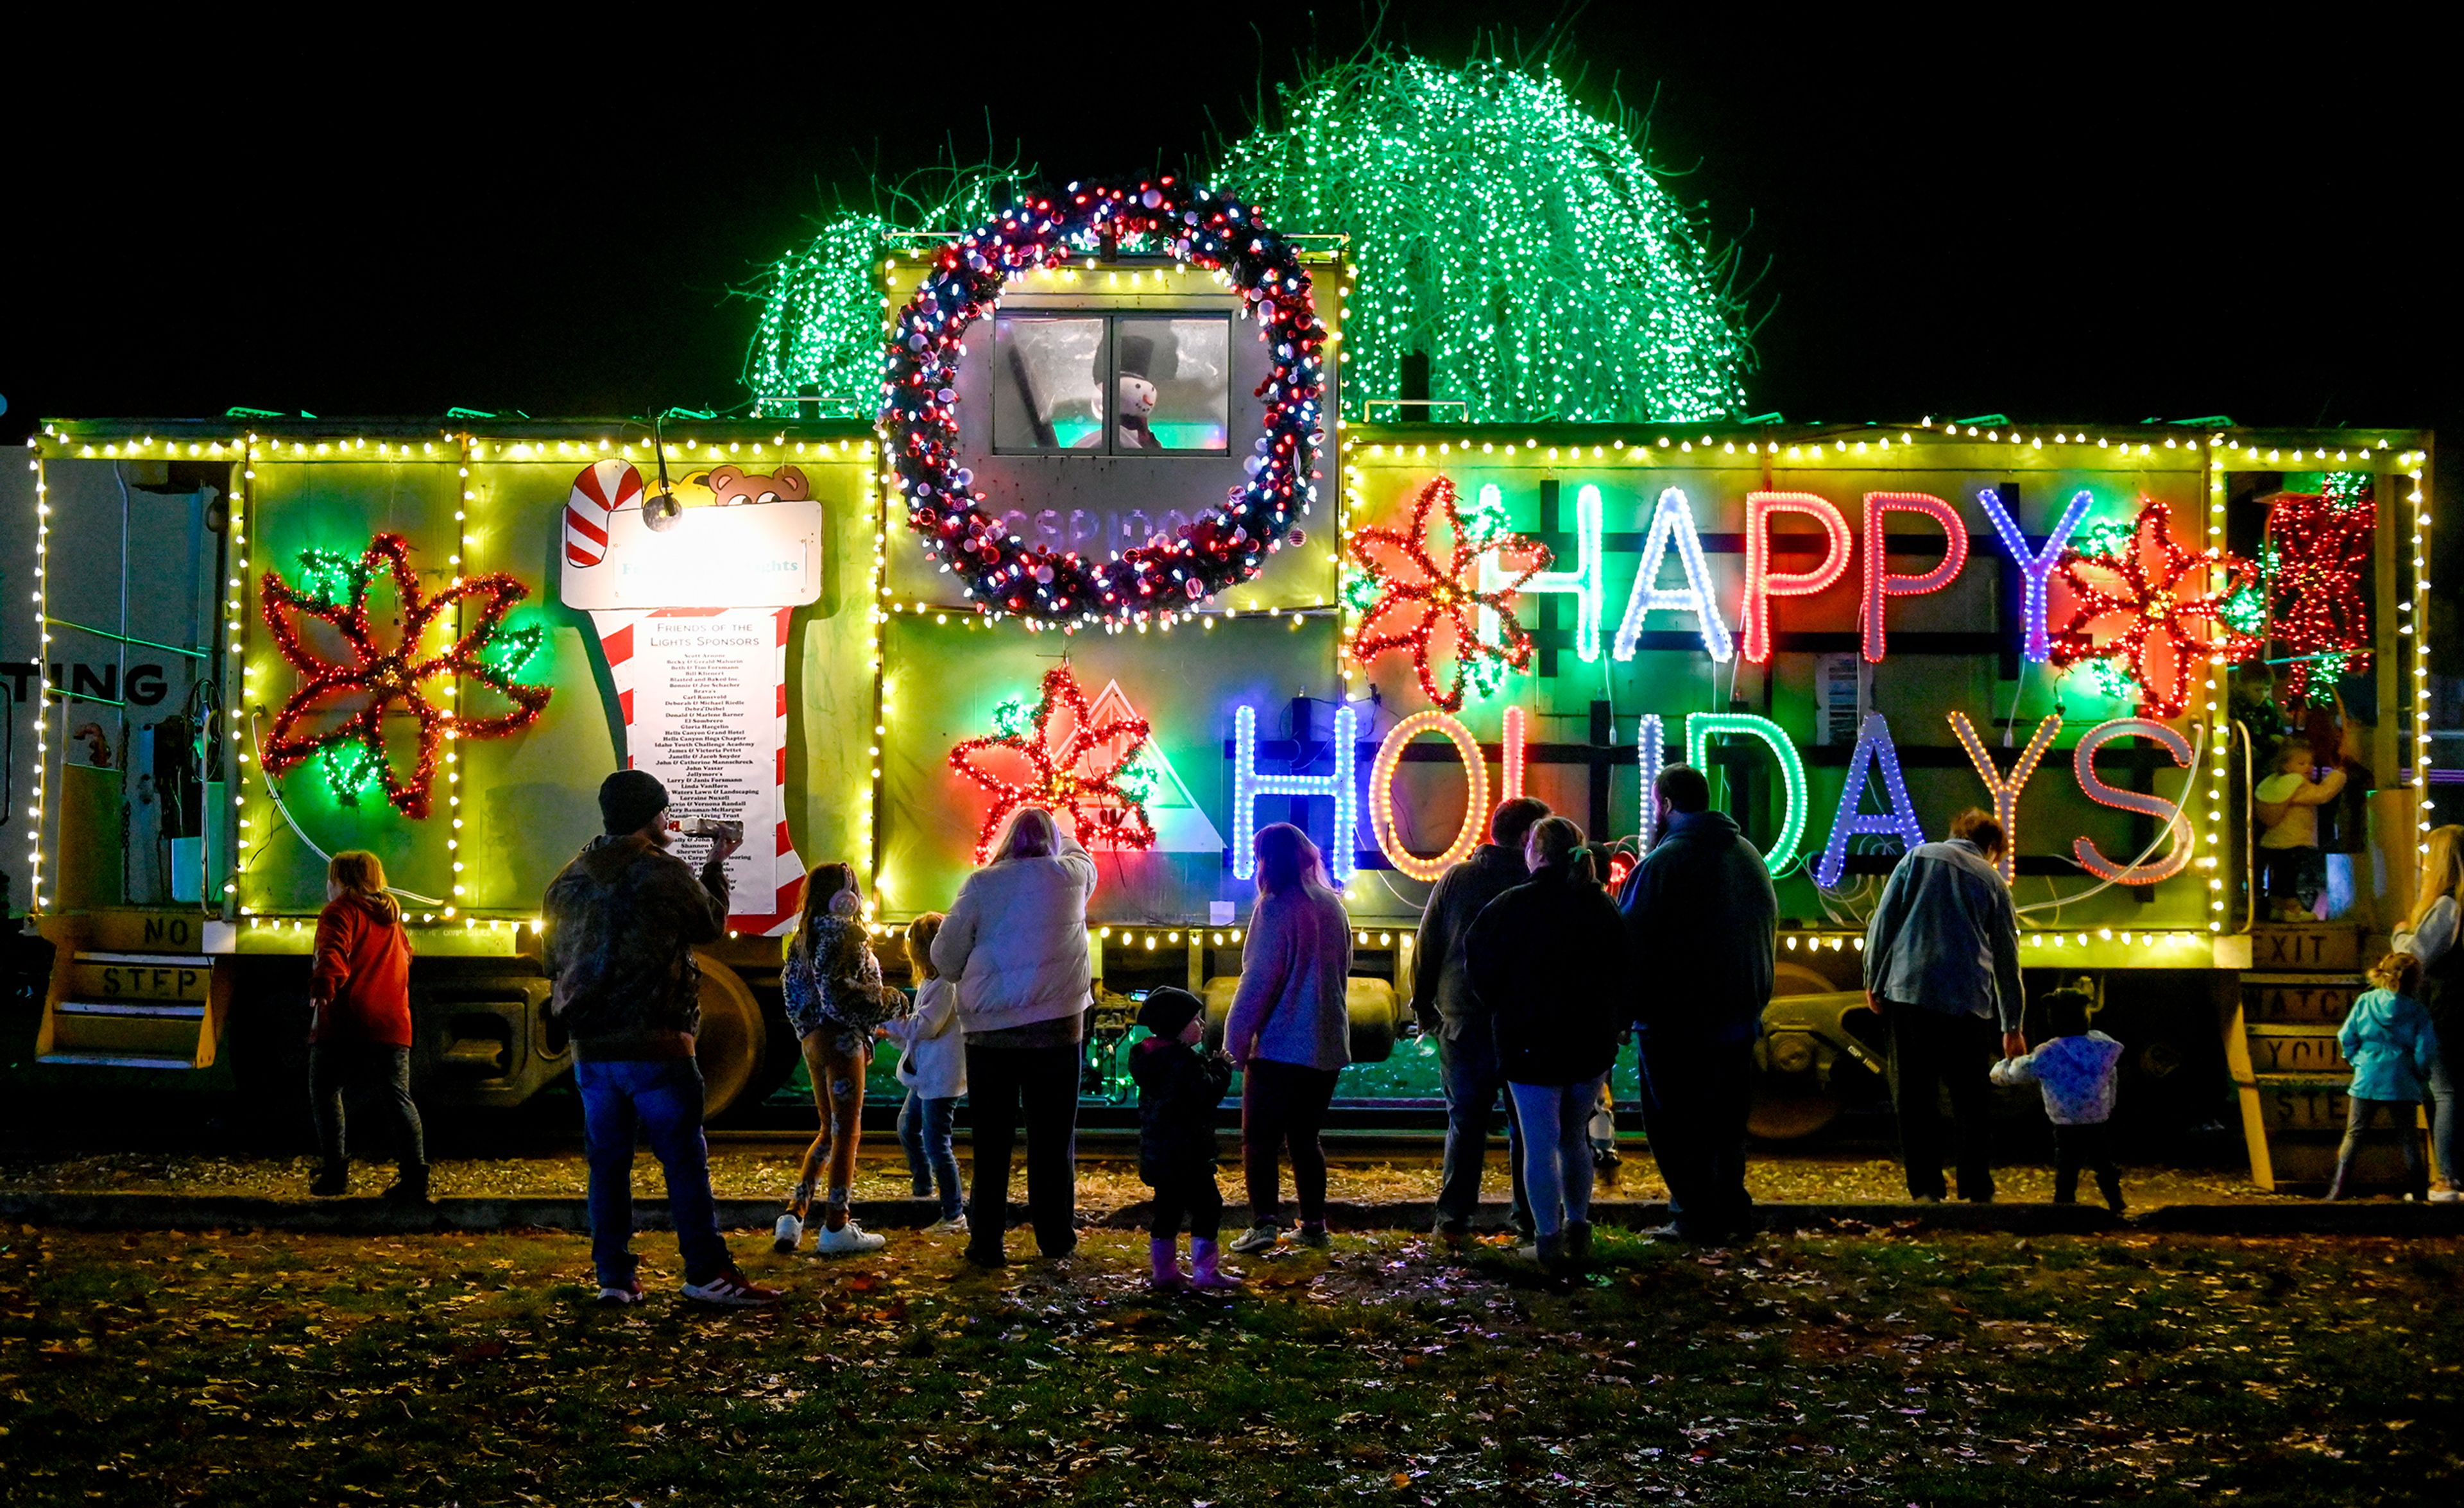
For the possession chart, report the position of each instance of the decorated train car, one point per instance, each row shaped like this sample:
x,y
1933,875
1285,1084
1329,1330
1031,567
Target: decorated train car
x,y
1119,547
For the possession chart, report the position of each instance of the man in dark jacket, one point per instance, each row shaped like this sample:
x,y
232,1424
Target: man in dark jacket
x,y
1942,966
622,922
1704,919
1444,1004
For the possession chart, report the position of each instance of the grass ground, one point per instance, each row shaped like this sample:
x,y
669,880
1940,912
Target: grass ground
x,y
1879,1367
765,1167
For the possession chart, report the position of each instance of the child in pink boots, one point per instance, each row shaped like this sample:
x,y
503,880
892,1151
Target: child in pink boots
x,y
1179,1088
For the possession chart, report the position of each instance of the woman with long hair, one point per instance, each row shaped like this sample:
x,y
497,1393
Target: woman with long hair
x,y
835,998
2428,934
360,1037
1015,942
1289,1031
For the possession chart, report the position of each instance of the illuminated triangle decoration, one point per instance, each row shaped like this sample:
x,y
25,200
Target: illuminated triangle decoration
x,y
1180,823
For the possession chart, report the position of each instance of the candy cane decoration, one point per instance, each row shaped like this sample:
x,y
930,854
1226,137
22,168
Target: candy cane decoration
x,y
602,488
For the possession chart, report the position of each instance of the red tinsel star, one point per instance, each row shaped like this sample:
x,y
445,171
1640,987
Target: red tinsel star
x,y
2168,619
1076,774
1431,610
359,690
2316,547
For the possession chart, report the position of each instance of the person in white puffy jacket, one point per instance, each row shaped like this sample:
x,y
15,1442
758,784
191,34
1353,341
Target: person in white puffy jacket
x,y
1015,943
2075,1068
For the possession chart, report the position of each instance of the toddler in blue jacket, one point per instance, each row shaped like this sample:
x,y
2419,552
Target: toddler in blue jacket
x,y
2074,1069
2393,1047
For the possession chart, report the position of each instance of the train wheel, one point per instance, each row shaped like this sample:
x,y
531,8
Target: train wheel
x,y
733,1035
1371,1007
1781,1114
1786,1105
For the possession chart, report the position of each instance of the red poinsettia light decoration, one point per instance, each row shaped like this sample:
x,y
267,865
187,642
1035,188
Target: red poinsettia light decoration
x,y
1084,773
340,707
2143,609
1427,600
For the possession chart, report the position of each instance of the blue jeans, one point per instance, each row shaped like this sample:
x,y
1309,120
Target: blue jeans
x,y
924,1131
660,1100
1474,1081
2443,1077
1558,1151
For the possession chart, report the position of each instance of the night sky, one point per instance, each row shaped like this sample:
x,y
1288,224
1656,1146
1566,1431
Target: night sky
x,y
2064,220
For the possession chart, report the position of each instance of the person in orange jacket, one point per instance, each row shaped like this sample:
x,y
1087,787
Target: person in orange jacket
x,y
359,984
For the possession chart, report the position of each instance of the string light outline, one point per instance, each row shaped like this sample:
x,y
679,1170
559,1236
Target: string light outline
x,y
1762,584
1071,780
1488,638
1874,752
1880,583
1381,793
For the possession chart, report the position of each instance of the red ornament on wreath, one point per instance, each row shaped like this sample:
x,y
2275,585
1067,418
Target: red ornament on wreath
x,y
1427,602
341,707
2152,602
962,527
1083,771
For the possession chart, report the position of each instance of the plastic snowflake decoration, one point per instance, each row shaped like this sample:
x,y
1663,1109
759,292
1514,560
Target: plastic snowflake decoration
x,y
1092,774
1427,601
2317,547
2151,602
339,710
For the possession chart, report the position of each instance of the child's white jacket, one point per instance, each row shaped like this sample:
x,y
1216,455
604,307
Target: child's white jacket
x,y
2076,1074
931,1050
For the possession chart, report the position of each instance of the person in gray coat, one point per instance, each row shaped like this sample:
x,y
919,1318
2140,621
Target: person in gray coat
x,y
1447,1008
1289,1031
1942,968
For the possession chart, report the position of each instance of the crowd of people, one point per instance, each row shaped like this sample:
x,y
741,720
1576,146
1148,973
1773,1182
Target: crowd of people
x,y
1530,975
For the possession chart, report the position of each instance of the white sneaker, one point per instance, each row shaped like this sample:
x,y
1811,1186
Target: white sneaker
x,y
1256,1239
956,1225
846,1240
731,1290
2445,1196
789,1233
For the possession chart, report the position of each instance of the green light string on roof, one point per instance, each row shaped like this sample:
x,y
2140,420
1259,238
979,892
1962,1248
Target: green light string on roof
x,y
823,314
1520,241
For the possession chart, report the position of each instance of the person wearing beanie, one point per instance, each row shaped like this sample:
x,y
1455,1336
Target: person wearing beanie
x,y
622,920
1180,1087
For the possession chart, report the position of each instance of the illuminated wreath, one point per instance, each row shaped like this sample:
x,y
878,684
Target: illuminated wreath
x,y
1225,545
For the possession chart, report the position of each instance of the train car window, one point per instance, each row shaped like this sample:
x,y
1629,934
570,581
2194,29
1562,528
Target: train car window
x,y
1047,384
1171,384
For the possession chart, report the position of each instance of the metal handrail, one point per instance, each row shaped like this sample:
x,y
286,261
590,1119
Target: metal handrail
x,y
122,638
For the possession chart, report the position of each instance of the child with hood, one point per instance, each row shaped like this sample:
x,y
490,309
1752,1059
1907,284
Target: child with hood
x,y
1179,1088
2074,1069
2389,1040
360,1038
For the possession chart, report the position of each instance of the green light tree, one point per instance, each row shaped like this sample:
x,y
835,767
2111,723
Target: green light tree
x,y
1519,241
822,315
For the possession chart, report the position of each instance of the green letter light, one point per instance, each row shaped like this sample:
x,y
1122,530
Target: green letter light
x,y
1702,727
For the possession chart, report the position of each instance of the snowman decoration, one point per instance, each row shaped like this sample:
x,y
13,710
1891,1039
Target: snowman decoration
x,y
1134,397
